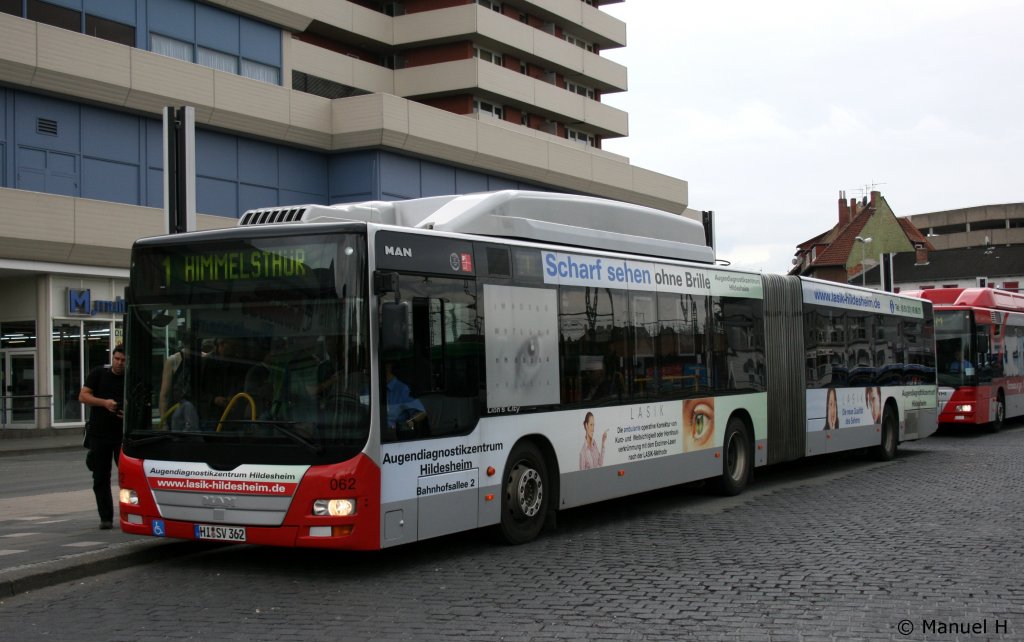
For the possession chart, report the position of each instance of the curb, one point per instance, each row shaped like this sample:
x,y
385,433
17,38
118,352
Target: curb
x,y
45,574
44,449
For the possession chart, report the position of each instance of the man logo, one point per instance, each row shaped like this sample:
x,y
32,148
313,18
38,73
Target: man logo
x,y
218,501
398,251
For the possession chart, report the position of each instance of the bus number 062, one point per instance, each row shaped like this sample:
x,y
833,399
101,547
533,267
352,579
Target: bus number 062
x,y
343,483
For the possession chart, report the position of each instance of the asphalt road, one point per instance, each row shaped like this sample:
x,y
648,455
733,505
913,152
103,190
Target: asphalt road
x,y
927,547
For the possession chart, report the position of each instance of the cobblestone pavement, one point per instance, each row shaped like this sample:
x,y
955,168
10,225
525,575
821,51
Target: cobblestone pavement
x,y
927,547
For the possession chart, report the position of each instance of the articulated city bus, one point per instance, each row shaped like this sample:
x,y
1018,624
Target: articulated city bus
x,y
366,375
979,337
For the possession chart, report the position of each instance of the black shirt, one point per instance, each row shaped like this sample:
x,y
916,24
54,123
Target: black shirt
x,y
104,384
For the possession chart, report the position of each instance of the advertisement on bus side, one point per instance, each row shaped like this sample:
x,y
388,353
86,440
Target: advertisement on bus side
x,y
582,439
592,271
867,300
837,408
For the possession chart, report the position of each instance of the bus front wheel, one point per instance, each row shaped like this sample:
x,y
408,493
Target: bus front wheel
x,y
737,455
1000,414
524,498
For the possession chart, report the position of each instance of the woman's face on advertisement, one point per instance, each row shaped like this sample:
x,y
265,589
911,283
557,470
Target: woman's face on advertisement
x,y
588,425
698,423
833,411
874,404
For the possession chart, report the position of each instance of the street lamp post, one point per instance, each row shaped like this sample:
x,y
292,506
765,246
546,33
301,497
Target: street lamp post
x,y
863,271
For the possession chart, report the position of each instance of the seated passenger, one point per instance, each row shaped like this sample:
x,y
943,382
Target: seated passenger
x,y
405,412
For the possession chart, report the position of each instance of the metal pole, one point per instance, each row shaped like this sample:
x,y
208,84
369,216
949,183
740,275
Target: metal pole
x,y
863,268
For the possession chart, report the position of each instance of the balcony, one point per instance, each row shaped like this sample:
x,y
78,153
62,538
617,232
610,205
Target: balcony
x,y
512,89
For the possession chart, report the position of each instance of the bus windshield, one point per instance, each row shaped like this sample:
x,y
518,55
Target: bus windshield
x,y
248,350
953,348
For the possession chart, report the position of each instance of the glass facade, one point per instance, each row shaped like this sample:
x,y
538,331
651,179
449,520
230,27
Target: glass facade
x,y
77,348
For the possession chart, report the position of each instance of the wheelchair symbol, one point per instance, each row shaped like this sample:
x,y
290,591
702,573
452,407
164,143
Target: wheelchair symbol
x,y
158,528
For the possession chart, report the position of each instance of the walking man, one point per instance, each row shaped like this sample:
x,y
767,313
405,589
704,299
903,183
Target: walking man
x,y
104,391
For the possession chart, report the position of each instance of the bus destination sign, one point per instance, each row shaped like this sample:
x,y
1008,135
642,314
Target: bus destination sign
x,y
237,265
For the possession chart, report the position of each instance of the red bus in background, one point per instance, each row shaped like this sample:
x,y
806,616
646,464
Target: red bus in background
x,y
979,351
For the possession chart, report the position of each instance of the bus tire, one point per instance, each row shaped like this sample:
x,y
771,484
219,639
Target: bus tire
x,y
524,494
997,423
737,458
886,449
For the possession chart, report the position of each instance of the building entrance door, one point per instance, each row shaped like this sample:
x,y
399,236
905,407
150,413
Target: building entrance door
x,y
18,387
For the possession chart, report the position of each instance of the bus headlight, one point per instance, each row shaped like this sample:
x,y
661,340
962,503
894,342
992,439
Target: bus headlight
x,y
334,507
129,497
964,407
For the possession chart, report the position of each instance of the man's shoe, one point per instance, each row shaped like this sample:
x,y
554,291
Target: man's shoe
x,y
106,526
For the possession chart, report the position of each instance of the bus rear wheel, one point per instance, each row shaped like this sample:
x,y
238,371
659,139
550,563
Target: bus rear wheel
x,y
524,498
886,450
737,455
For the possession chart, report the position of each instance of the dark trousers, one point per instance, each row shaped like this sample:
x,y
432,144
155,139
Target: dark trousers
x,y
103,453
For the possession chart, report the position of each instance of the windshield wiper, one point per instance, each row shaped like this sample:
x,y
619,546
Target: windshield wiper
x,y
155,438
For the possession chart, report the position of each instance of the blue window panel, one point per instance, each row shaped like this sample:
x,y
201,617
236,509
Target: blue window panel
x,y
5,179
119,10
356,197
251,197
62,174
154,188
289,197
494,183
110,135
62,177
174,18
216,197
216,29
31,179
257,162
467,182
107,181
216,155
31,165
65,164
154,144
29,108
32,158
40,170
399,176
3,114
261,42
437,179
70,4
352,177
303,171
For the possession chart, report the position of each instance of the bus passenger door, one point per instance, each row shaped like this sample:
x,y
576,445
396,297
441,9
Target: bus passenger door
x,y
432,389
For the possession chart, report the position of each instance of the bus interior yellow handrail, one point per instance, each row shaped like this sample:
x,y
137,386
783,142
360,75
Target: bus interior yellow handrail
x,y
231,404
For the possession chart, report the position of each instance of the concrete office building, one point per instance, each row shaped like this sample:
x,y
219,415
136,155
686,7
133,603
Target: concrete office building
x,y
980,246
321,101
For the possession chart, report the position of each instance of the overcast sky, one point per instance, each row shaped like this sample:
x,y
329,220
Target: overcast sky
x,y
769,109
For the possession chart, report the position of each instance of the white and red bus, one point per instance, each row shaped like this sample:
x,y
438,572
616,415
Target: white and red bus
x,y
366,375
979,337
